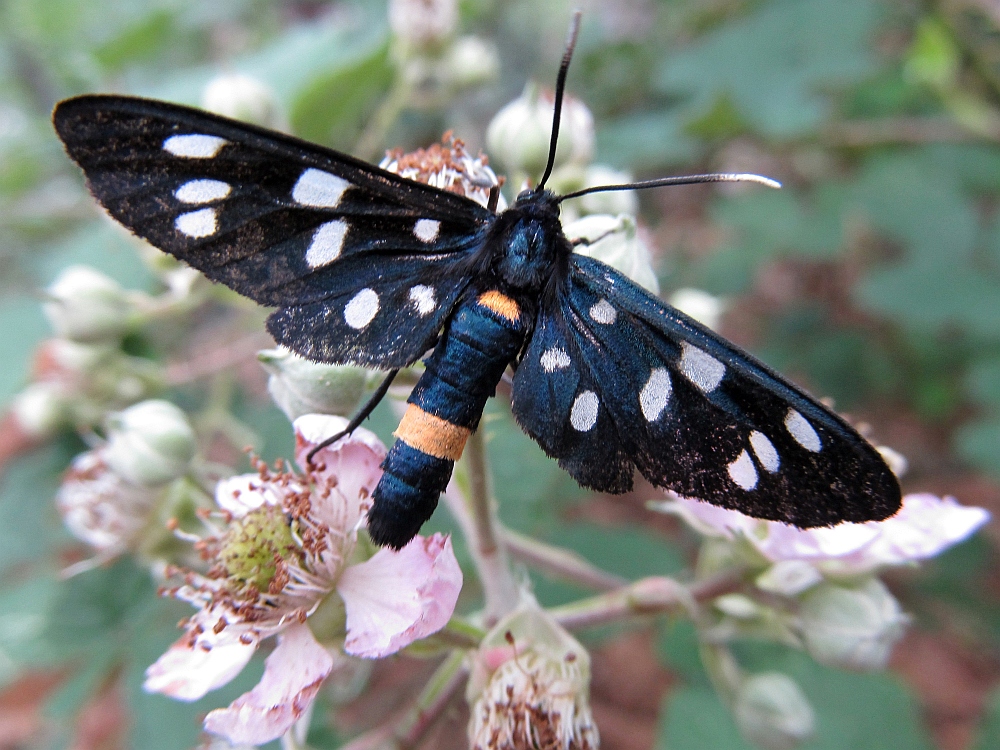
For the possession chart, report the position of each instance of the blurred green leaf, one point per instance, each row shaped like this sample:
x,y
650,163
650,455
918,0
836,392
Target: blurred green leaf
x,y
644,142
694,719
978,443
775,62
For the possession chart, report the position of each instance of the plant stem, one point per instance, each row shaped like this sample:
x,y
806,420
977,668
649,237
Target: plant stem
x,y
476,513
434,699
558,562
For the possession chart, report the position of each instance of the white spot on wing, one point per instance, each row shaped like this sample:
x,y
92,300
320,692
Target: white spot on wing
x,y
553,359
327,242
743,472
583,415
765,452
361,309
202,191
604,312
197,224
194,146
702,369
654,395
802,432
426,230
319,189
423,299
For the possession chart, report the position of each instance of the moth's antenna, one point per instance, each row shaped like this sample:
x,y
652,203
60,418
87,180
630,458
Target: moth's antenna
x,y
574,30
682,180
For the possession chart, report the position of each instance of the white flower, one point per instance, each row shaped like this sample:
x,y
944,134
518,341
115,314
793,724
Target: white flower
x,y
243,97
925,526
423,23
702,306
291,547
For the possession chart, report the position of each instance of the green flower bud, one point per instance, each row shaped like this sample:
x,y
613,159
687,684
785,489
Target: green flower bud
x,y
255,546
243,97
150,443
519,134
789,577
772,713
85,305
615,240
41,409
851,627
299,386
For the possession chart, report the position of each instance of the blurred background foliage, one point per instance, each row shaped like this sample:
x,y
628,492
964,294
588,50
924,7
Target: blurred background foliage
x,y
873,278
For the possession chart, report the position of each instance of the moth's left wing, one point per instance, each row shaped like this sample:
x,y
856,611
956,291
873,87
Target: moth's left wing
x,y
365,264
693,413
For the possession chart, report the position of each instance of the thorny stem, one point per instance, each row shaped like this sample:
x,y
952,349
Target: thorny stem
x,y
648,596
558,562
216,360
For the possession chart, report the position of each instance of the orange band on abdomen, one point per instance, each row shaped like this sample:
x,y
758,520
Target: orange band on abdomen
x,y
501,304
432,435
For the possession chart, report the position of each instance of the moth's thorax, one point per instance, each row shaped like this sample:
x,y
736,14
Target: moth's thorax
x,y
528,240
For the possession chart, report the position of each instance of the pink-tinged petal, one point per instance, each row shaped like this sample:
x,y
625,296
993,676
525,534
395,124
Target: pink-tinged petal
x,y
243,493
196,664
784,542
396,598
925,526
293,674
707,519
353,464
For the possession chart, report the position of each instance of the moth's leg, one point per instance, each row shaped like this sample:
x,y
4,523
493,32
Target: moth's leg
x,y
360,417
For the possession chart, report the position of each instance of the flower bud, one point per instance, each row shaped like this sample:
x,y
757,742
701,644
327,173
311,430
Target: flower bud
x,y
243,97
702,306
471,60
569,180
299,386
615,240
150,443
851,627
519,134
85,305
789,578
100,507
771,711
41,409
423,24
530,685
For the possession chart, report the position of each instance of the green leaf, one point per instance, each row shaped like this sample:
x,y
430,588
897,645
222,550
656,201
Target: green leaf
x,y
100,607
644,142
979,443
24,326
694,719
773,63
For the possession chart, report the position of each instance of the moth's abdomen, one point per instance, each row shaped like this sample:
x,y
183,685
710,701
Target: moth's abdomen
x,y
485,334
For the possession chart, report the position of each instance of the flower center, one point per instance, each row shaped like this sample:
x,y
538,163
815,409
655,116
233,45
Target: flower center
x,y
257,545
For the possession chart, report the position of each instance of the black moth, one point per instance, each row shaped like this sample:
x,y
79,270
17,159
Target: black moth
x,y
366,267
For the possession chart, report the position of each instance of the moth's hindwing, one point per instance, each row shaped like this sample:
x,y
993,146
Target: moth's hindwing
x,y
614,377
282,221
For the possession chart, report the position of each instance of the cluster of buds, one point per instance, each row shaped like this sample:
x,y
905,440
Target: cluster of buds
x,y
431,55
111,496
813,589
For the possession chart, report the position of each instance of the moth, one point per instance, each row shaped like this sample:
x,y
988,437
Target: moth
x,y
368,268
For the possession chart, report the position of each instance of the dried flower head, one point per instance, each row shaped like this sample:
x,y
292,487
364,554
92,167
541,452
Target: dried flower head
x,y
448,166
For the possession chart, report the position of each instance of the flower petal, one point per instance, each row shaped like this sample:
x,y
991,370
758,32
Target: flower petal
x,y
925,526
354,463
245,492
201,661
292,676
396,598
